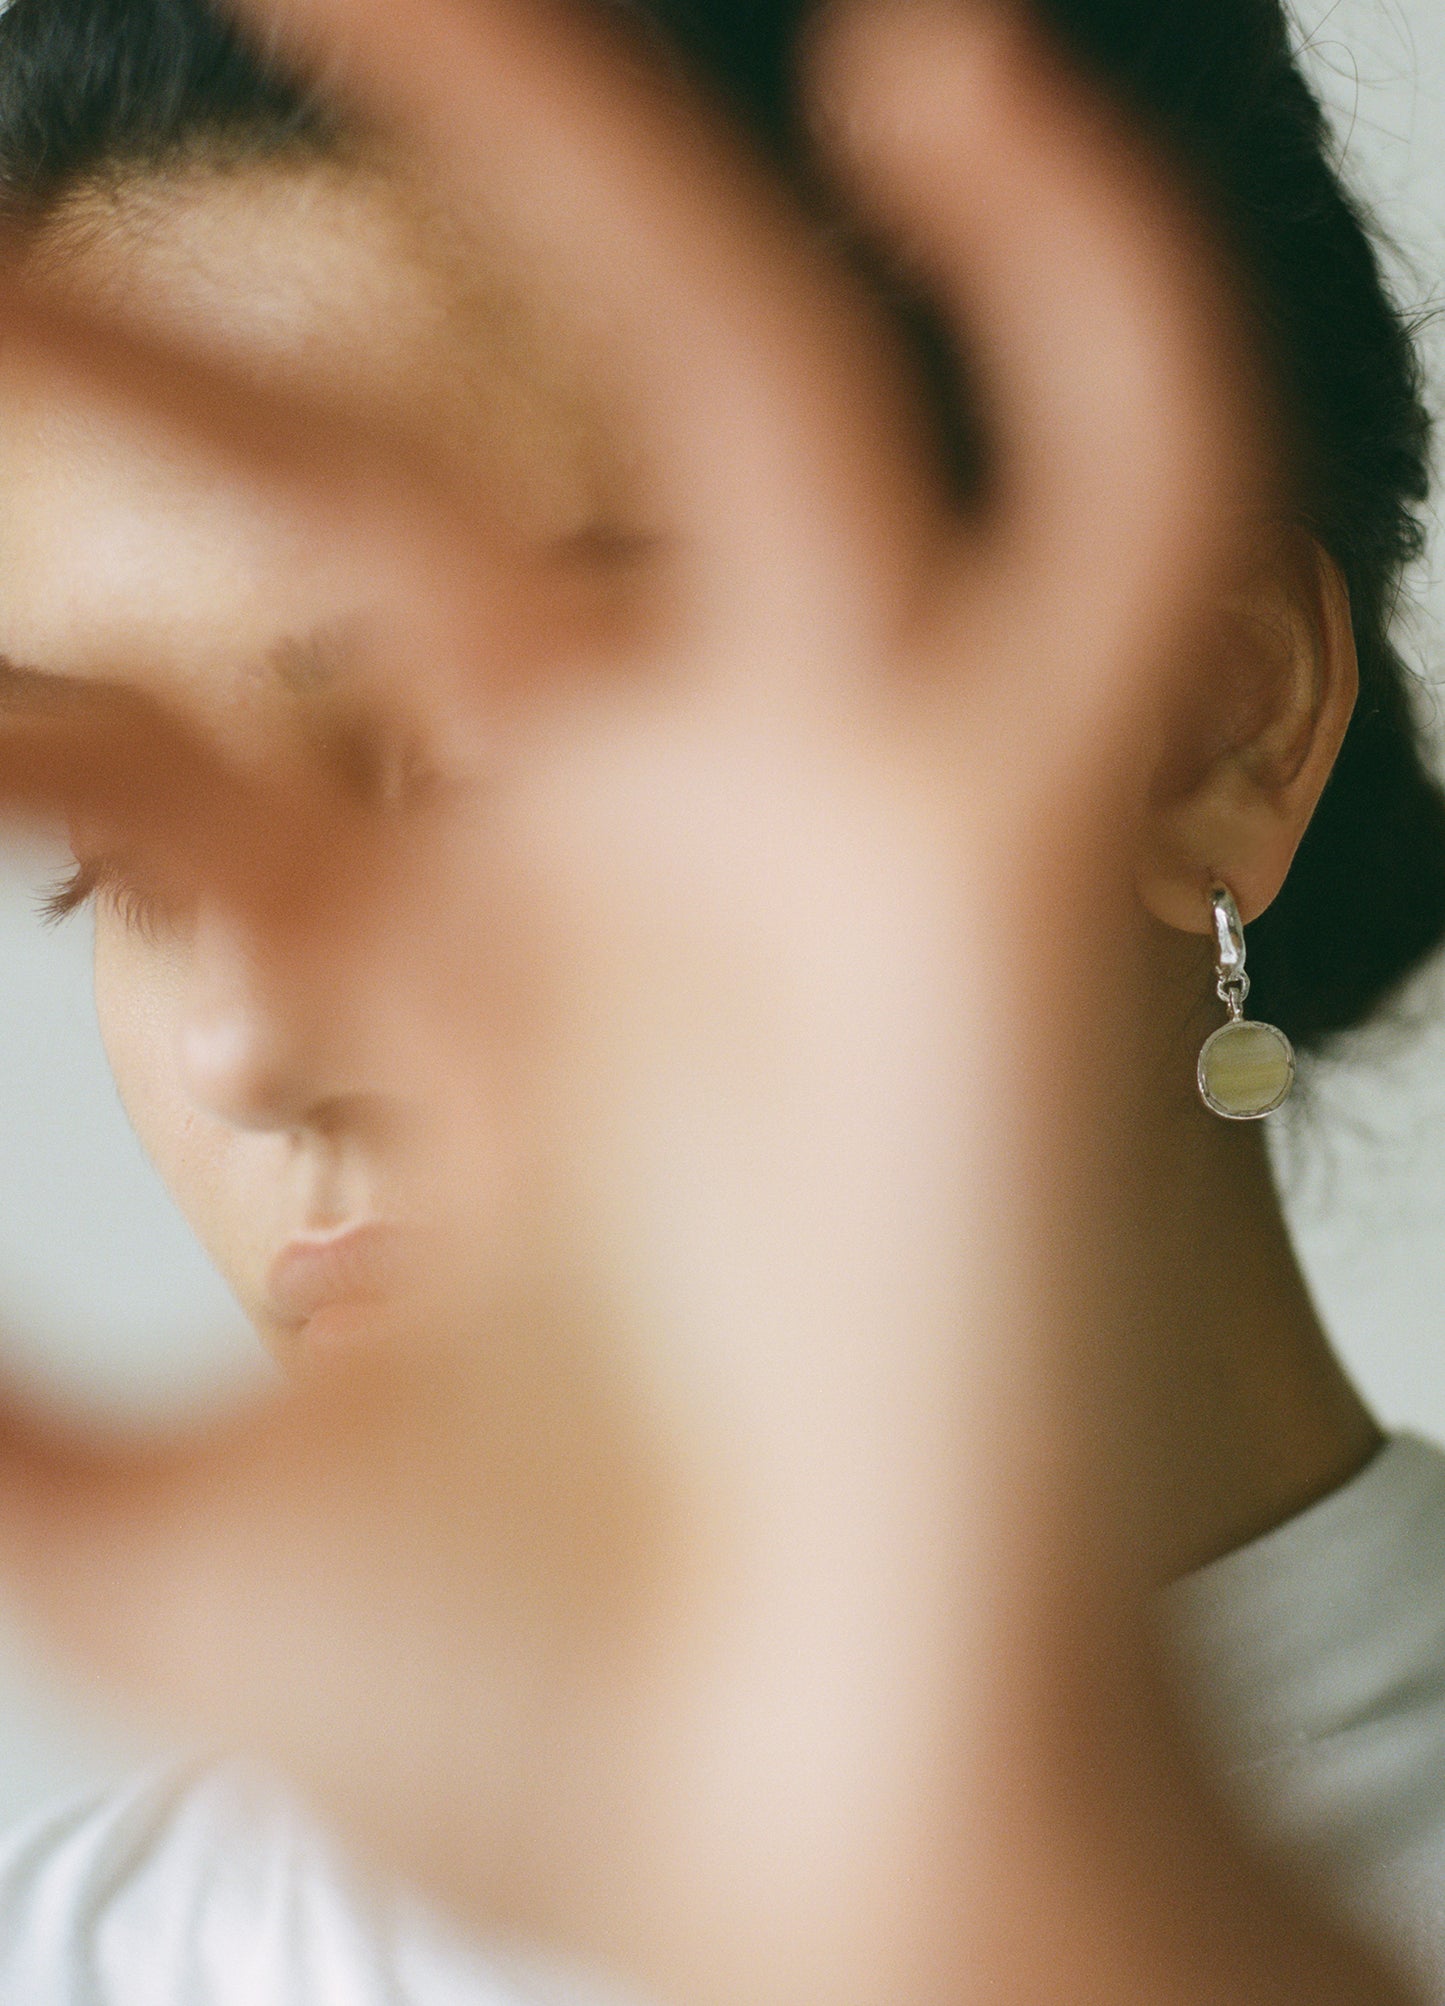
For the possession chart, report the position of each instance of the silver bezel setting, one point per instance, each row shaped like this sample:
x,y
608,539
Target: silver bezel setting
x,y
1255,1114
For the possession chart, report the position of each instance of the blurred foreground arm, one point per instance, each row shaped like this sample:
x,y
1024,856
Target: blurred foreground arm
x,y
749,1605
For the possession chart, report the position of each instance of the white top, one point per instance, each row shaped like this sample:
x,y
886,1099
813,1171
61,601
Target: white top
x,y
1319,1657
208,1888
1320,1651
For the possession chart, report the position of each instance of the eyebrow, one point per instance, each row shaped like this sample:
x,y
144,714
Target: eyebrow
x,y
306,666
346,734
98,745
23,689
350,729
311,665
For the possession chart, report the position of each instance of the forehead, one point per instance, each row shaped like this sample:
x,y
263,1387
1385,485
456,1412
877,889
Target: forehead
x,y
126,553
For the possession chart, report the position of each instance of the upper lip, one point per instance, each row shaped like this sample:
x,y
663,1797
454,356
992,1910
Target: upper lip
x,y
353,1264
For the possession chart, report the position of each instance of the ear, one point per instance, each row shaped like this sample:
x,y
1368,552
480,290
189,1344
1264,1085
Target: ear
x,y
1248,754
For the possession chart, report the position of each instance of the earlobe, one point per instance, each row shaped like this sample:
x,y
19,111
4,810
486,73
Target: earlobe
x,y
1248,756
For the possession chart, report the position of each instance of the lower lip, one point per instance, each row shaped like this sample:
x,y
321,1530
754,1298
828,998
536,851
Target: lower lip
x,y
339,1326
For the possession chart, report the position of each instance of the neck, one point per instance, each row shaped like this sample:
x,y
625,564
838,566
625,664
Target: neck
x,y
1260,1418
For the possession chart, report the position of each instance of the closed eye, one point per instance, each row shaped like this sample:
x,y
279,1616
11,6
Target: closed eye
x,y
140,911
73,891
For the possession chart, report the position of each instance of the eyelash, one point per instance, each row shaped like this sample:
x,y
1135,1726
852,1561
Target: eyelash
x,y
139,911
146,914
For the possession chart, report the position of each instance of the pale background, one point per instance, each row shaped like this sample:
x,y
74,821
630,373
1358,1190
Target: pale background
x,y
115,1298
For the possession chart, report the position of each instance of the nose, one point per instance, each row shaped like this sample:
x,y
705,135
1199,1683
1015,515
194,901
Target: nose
x,y
263,1032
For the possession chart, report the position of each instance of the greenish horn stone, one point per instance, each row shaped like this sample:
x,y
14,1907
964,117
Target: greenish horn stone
x,y
1246,1070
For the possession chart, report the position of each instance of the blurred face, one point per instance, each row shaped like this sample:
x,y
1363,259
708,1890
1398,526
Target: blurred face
x,y
316,1159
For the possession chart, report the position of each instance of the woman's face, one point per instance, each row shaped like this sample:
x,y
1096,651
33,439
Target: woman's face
x,y
261,1073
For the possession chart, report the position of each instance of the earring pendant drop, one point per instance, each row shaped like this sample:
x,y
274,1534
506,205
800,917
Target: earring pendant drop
x,y
1246,1068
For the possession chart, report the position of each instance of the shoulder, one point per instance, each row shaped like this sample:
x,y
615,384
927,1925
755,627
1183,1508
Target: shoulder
x,y
1318,1657
208,1888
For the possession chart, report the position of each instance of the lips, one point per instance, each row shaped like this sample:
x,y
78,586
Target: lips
x,y
356,1266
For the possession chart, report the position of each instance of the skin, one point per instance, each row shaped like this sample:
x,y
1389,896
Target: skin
x,y
766,908
272,1113
267,1100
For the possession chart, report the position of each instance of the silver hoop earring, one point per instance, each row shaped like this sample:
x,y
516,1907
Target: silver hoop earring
x,y
1246,1069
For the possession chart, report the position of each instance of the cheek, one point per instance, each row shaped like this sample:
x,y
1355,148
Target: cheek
x,y
135,1004
138,990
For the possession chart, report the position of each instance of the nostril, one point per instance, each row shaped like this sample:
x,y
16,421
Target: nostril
x,y
257,1033
350,1114
229,1069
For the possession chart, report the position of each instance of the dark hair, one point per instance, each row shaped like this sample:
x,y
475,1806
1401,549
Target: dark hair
x,y
89,87
92,87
